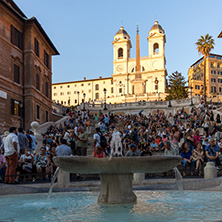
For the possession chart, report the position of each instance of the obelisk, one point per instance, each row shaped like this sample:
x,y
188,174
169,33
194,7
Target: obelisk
x,y
138,82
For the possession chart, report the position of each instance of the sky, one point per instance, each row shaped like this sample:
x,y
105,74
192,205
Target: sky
x,y
83,31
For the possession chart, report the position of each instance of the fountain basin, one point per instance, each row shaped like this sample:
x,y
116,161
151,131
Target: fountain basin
x,y
121,165
116,174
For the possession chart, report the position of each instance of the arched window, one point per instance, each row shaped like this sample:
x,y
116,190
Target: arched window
x,y
143,69
97,86
120,53
156,48
132,70
97,95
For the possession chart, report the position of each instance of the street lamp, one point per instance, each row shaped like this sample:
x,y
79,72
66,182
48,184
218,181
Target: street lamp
x,y
169,87
78,97
84,95
104,90
191,104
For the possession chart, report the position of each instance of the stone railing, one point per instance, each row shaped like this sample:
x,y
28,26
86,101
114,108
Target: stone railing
x,y
150,105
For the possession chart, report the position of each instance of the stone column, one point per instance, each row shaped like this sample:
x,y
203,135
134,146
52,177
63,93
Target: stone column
x,y
116,189
210,171
138,178
63,179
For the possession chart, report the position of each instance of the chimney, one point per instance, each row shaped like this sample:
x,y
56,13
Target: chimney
x,y
84,78
100,77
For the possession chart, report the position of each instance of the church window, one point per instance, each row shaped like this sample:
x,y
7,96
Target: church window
x,y
97,96
68,93
120,90
112,90
156,87
143,69
60,87
54,87
82,84
156,48
120,53
75,100
111,81
97,86
68,86
88,84
132,70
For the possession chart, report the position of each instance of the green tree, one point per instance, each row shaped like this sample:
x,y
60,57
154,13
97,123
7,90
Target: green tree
x,y
177,83
204,46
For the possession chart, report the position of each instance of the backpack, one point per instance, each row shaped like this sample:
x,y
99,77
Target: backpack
x,y
103,141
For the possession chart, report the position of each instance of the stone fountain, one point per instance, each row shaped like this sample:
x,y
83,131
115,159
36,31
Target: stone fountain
x,y
116,174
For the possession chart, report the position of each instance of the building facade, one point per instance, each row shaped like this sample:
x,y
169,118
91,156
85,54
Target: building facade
x,y
213,77
140,78
25,69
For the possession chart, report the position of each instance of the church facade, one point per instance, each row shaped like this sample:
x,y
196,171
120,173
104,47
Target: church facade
x,y
133,79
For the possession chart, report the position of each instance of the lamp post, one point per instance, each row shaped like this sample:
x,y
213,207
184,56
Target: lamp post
x,y
169,87
78,97
104,90
191,104
84,95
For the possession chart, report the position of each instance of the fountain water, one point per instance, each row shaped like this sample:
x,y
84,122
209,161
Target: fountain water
x,y
178,177
53,182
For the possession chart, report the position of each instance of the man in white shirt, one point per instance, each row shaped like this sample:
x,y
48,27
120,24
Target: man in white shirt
x,y
11,155
96,137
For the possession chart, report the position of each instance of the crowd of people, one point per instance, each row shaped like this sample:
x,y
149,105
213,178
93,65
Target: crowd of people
x,y
140,135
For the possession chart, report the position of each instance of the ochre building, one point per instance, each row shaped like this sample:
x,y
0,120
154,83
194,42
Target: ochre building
x,y
25,69
213,77
133,79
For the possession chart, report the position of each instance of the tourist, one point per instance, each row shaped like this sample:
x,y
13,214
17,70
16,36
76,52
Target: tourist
x,y
186,154
97,137
41,162
133,151
22,139
198,157
71,142
154,146
190,140
196,138
11,155
2,166
63,149
29,139
168,151
175,136
34,141
147,150
27,160
98,152
82,142
212,153
51,167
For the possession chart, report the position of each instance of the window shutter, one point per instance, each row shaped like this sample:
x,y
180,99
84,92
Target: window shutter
x,y
12,106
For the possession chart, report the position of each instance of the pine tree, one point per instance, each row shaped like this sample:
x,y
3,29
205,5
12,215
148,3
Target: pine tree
x,y
177,83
